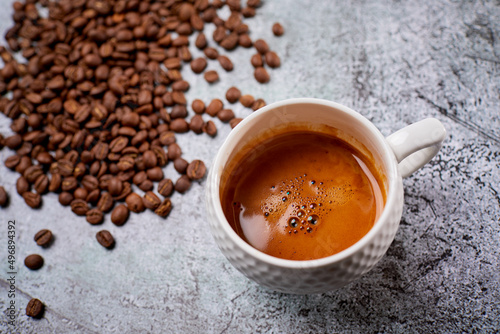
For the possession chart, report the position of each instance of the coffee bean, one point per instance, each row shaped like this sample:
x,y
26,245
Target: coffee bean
x,y
65,198
146,185
4,198
196,170
261,75
32,200
278,29
233,94
261,46
245,41
230,41
211,76
22,185
134,203
139,177
198,65
178,111
272,59
225,115
211,53
79,207
214,107
247,100
182,184
180,165
32,173
234,122
41,184
165,187
33,261
80,193
106,202
155,173
201,41
34,308
164,208
12,161
105,239
119,215
115,186
196,124
150,200
225,63
210,129
94,216
93,196
174,151
69,183
259,103
13,141
256,60
43,238
179,125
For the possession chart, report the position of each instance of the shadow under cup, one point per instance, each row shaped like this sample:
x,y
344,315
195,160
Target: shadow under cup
x,y
323,274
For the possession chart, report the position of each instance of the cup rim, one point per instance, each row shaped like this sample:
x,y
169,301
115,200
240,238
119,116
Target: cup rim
x,y
392,175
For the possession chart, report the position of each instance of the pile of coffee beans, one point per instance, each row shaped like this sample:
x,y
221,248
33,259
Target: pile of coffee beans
x,y
98,103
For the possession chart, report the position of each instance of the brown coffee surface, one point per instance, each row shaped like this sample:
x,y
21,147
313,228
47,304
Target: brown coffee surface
x,y
303,196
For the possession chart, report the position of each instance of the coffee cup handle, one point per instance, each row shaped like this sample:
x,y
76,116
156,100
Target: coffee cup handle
x,y
416,144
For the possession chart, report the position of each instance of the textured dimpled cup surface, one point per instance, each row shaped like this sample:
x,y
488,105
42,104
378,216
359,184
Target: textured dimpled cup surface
x,y
396,156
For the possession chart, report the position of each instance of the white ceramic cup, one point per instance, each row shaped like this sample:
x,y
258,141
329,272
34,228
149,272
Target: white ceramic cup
x,y
397,156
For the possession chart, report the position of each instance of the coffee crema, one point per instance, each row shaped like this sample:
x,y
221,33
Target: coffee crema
x,y
302,195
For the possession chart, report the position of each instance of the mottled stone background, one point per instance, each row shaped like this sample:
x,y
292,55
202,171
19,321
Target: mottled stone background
x,y
396,62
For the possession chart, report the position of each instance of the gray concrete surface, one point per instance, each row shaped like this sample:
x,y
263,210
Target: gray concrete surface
x,y
396,62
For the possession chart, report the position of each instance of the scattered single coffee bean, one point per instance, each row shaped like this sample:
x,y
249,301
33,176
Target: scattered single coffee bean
x,y
34,308
256,60
150,200
225,63
225,115
272,59
210,129
196,124
261,46
33,261
233,94
33,200
65,198
214,107
198,65
261,75
79,207
166,187
43,237
234,122
198,106
155,173
211,76
164,208
278,29
259,103
120,214
135,203
105,239
180,165
196,170
4,198
247,100
211,53
95,216
182,184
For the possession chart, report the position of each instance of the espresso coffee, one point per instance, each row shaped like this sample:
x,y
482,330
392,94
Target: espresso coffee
x,y
302,195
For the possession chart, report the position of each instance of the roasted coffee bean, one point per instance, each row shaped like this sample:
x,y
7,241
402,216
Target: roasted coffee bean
x,y
278,29
180,165
14,141
248,12
24,163
196,124
210,129
261,75
33,261
65,198
105,239
225,63
69,183
146,185
155,173
245,41
182,184
261,46
178,111
119,215
167,138
211,76
198,106
256,60
93,196
211,53
106,202
94,216
41,184
80,193
272,59
33,200
225,115
196,170
174,151
32,173
233,94
135,203
43,237
22,185
139,177
247,100
179,125
164,208
90,182
234,122
55,182
214,107
12,161
4,198
198,65
79,207
115,186
201,41
259,103
150,159
34,308
165,187
150,200
230,41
